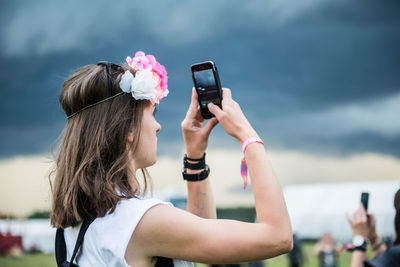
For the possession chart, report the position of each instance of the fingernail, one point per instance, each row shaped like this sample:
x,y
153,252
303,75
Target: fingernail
x,y
209,104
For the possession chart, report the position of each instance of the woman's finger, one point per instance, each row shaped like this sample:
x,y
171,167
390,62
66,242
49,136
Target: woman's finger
x,y
349,218
210,125
198,115
358,214
194,101
363,212
226,94
371,218
193,104
214,109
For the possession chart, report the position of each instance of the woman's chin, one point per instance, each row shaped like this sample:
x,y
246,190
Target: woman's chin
x,y
147,161
151,163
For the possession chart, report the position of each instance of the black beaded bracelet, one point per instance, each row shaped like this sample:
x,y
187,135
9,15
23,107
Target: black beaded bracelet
x,y
195,177
200,164
203,158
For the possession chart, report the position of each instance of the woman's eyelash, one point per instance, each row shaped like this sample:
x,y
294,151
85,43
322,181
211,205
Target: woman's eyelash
x,y
155,110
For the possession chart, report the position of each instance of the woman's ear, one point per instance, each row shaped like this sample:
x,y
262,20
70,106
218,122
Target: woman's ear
x,y
130,137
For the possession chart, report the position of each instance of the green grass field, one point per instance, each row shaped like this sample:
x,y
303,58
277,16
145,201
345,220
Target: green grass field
x,y
48,260
29,260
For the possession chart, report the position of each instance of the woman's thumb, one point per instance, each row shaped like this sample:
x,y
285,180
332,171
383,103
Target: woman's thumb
x,y
210,125
214,109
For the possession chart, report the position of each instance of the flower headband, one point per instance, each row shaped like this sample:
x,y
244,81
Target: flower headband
x,y
150,81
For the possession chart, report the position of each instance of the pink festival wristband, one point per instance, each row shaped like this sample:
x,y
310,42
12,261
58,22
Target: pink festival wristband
x,y
243,165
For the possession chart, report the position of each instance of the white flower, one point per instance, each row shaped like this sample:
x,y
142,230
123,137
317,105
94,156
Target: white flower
x,y
126,80
143,85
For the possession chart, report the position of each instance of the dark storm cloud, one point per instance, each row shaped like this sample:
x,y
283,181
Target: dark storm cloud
x,y
284,61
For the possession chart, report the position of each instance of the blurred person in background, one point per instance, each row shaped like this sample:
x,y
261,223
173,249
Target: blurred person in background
x,y
326,251
363,226
296,256
110,134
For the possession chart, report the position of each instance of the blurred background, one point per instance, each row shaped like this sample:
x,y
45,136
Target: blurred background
x,y
319,80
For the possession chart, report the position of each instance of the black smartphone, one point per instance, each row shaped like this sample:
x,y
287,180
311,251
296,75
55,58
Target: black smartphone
x,y
364,199
208,86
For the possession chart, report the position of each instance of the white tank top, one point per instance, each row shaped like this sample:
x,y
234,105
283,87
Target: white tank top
x,y
107,238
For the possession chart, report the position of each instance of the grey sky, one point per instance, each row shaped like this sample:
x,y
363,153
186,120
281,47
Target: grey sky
x,y
318,76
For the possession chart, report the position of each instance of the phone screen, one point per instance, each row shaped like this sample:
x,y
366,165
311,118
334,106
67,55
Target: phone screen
x,y
206,87
205,80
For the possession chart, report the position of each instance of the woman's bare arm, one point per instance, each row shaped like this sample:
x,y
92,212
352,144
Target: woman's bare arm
x,y
195,135
170,232
357,258
200,199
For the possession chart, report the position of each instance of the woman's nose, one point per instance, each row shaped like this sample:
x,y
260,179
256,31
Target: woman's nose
x,y
158,127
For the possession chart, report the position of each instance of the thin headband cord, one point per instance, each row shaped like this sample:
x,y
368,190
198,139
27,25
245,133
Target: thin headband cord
x,y
144,79
109,81
94,104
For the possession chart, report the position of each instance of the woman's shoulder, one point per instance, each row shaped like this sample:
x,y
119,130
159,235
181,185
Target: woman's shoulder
x,y
112,232
132,208
126,215
140,201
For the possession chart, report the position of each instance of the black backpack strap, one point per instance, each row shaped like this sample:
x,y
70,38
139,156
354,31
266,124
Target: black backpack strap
x,y
61,250
164,262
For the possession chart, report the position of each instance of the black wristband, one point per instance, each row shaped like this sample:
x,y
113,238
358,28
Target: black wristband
x,y
196,176
200,159
360,248
201,164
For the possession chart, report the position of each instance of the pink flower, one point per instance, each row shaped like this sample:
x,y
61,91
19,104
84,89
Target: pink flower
x,y
148,62
139,62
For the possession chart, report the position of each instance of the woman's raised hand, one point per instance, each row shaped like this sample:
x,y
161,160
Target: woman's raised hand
x,y
359,222
195,135
232,118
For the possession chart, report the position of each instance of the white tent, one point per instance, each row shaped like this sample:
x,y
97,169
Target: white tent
x,y
315,209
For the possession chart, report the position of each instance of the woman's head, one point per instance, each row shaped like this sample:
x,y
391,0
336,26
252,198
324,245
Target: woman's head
x,y
110,133
95,166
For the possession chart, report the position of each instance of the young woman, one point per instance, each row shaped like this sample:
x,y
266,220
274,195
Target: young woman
x,y
111,133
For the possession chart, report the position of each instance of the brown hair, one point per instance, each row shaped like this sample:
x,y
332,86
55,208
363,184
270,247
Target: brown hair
x,y
92,166
397,217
